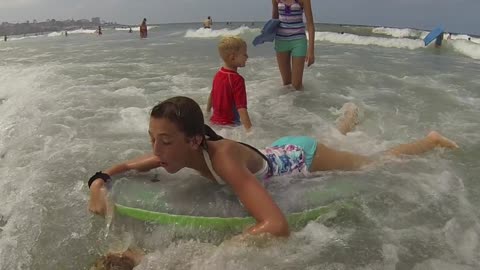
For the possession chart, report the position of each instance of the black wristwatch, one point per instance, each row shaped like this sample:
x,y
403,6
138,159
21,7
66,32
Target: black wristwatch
x,y
105,177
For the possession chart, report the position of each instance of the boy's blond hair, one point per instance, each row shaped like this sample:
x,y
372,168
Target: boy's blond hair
x,y
229,45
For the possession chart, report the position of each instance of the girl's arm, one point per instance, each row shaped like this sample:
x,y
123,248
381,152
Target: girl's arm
x,y
142,164
252,194
274,9
307,8
97,203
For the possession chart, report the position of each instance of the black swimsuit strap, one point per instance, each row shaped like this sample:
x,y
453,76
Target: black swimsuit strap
x,y
258,152
213,136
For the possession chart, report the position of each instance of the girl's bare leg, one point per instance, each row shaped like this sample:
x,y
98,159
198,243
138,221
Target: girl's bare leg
x,y
327,159
284,65
432,140
349,118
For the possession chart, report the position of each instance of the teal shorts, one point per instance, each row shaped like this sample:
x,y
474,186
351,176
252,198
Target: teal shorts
x,y
296,47
308,144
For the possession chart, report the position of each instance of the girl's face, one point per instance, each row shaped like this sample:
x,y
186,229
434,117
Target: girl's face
x,y
171,145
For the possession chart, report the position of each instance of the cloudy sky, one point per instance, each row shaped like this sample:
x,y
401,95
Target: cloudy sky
x,y
456,15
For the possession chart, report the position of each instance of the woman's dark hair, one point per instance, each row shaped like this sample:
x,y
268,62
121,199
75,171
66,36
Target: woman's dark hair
x,y
186,114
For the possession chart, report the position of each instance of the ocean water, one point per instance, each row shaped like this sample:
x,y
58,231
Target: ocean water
x,y
70,106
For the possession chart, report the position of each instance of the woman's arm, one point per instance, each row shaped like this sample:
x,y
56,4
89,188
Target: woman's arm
x,y
274,9
252,194
97,203
307,8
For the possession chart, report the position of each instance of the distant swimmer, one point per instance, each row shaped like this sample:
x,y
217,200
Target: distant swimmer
x,y
207,24
66,33
5,38
130,31
143,29
99,31
469,39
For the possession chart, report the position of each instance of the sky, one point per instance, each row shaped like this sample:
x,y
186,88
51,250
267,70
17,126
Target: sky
x,y
460,16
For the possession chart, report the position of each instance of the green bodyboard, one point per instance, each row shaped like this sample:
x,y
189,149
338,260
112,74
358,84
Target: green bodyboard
x,y
295,220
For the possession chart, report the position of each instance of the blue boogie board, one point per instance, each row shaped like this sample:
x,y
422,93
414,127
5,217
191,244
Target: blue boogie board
x,y
433,35
268,32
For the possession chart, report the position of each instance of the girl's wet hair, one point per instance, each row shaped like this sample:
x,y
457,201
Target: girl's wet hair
x,y
187,115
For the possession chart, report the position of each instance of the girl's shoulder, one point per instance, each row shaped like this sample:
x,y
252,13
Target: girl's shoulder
x,y
226,149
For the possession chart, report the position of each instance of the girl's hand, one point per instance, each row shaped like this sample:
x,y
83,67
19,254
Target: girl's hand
x,y
310,58
98,198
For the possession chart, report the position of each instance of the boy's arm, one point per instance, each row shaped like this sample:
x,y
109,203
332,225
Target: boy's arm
x,y
240,96
245,118
209,102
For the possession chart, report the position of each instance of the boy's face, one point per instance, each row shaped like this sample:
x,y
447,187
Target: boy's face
x,y
240,58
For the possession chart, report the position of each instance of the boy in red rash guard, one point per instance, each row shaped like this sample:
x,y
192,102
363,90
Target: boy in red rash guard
x,y
228,96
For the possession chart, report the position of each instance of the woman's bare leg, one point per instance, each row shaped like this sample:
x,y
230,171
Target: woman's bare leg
x,y
349,118
327,159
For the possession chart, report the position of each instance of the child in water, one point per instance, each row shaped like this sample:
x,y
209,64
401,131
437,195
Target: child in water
x,y
229,96
180,139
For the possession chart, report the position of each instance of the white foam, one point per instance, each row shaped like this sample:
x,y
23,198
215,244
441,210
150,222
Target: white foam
x,y
403,43
135,28
130,91
25,37
210,33
55,34
82,31
436,264
467,48
397,32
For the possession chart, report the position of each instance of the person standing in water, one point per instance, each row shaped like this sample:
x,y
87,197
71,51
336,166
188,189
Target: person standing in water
x,y
143,29
5,38
291,46
180,139
99,31
207,23
438,40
